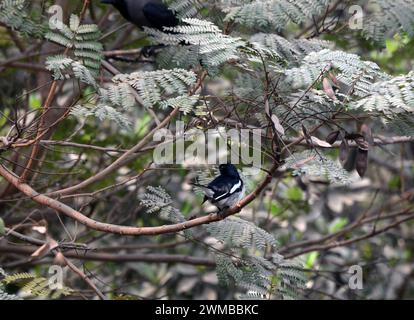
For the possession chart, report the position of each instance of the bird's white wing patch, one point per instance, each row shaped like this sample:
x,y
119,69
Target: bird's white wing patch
x,y
235,187
232,190
221,196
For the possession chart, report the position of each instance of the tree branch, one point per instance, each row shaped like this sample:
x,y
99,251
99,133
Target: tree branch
x,y
126,230
110,257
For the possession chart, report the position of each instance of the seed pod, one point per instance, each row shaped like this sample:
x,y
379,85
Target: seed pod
x,y
332,137
320,143
327,88
350,162
361,162
362,144
343,151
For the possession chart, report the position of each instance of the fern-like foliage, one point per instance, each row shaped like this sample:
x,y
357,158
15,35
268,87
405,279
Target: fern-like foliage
x,y
185,8
6,296
154,86
184,103
3,294
109,103
358,75
252,272
65,68
36,286
204,41
247,86
307,108
390,97
14,14
387,18
82,40
240,233
272,13
157,200
101,112
401,123
292,51
314,164
290,279
162,88
262,278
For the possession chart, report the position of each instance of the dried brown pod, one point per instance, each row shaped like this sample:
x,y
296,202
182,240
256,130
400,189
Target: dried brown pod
x,y
361,162
362,144
332,137
343,151
327,88
320,143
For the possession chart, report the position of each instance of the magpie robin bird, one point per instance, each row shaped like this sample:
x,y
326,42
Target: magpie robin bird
x,y
226,190
145,13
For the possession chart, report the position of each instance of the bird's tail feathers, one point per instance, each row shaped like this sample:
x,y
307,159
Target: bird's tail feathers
x,y
207,191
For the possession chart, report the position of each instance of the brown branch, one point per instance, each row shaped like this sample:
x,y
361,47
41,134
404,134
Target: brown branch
x,y
378,141
84,277
126,230
350,227
323,17
352,240
43,126
110,257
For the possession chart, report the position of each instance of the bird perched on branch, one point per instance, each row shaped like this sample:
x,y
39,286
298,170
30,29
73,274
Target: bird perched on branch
x,y
226,190
145,13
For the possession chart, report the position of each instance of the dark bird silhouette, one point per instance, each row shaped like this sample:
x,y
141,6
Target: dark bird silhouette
x,y
226,190
145,13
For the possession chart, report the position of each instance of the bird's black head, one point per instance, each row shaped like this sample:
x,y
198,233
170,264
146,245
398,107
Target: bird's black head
x,y
228,170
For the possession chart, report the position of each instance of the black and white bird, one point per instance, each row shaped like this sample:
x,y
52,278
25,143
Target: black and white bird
x,y
226,190
145,13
